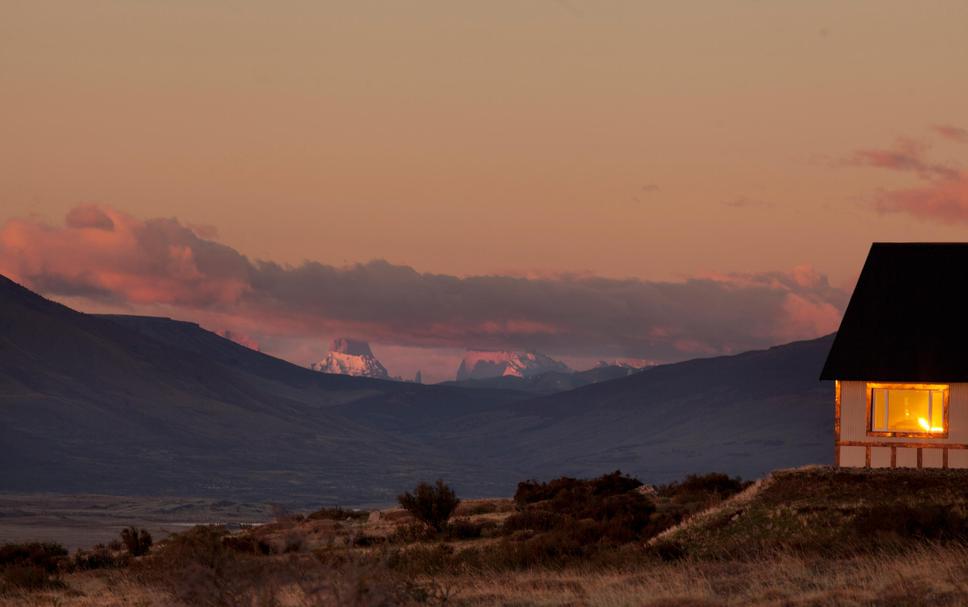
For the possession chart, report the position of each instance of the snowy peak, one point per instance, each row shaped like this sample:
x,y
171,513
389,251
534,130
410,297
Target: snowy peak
x,y
482,364
351,357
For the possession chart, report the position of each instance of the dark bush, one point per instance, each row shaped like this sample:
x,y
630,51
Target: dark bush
x,y
668,550
695,486
533,519
413,532
565,489
246,544
464,529
43,555
430,504
365,541
337,514
99,557
928,522
29,577
137,541
28,566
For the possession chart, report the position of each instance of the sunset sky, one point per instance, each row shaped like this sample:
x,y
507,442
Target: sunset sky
x,y
635,180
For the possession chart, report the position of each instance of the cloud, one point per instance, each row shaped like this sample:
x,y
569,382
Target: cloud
x,y
905,155
945,201
943,198
952,133
164,264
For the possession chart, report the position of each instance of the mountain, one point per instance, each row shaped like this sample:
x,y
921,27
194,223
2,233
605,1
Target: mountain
x,y
351,357
152,406
130,405
743,414
550,382
484,364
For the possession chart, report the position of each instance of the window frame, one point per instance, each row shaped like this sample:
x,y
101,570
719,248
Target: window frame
x,y
944,388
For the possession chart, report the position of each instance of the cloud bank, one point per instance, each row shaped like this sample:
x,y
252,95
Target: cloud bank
x,y
110,258
943,197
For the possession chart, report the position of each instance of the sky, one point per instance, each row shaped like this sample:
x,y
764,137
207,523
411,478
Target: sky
x,y
638,180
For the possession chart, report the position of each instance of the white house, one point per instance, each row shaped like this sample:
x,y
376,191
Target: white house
x,y
900,360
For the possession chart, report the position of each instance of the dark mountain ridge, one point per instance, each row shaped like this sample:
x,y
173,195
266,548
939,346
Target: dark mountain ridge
x,y
136,405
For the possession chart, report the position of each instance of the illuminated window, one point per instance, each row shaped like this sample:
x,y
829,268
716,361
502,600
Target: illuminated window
x,y
908,409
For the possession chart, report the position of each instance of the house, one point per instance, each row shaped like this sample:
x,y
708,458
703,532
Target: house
x,y
900,360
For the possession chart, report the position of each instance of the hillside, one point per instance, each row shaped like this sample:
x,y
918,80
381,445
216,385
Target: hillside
x,y
744,414
134,405
549,382
830,511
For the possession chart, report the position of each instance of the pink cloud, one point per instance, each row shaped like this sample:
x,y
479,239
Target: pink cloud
x,y
905,155
952,133
945,201
162,266
101,251
944,198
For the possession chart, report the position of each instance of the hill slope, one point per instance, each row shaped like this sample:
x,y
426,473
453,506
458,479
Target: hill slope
x,y
151,405
744,414
135,405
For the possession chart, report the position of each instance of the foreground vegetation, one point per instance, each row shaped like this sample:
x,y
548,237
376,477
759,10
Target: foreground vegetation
x,y
808,537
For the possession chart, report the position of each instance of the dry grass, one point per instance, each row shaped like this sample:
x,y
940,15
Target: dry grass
x,y
806,537
924,575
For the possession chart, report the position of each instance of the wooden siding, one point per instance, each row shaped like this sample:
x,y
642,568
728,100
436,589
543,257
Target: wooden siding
x,y
858,449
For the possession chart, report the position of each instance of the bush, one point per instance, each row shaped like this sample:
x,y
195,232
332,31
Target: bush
x,y
703,486
99,557
337,514
137,541
430,504
27,577
464,529
43,555
927,522
28,566
530,492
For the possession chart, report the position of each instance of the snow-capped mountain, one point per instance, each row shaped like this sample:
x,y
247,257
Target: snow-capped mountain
x,y
482,364
351,357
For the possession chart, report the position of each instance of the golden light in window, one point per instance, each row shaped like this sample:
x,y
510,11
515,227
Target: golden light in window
x,y
908,409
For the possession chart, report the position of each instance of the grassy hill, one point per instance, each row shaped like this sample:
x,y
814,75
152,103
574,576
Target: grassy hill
x,y
814,536
830,511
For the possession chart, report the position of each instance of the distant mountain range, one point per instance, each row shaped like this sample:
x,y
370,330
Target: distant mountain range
x,y
486,364
135,405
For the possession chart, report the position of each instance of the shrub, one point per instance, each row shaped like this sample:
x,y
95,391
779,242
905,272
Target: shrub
x,y
99,557
246,544
699,486
28,566
337,514
927,521
464,529
28,577
430,504
43,555
137,541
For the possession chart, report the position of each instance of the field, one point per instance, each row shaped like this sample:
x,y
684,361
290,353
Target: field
x,y
805,537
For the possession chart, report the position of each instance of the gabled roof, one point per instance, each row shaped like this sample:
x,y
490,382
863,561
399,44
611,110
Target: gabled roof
x,y
908,317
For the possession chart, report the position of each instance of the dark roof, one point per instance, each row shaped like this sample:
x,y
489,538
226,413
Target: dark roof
x,y
908,317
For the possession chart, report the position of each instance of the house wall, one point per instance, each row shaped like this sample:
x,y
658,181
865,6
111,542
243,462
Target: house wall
x,y
856,449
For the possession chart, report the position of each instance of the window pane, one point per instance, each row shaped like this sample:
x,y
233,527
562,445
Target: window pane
x,y
937,411
907,410
878,411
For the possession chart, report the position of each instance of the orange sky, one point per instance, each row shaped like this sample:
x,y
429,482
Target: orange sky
x,y
624,139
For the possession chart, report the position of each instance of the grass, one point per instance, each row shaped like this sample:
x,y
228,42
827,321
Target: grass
x,y
805,537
